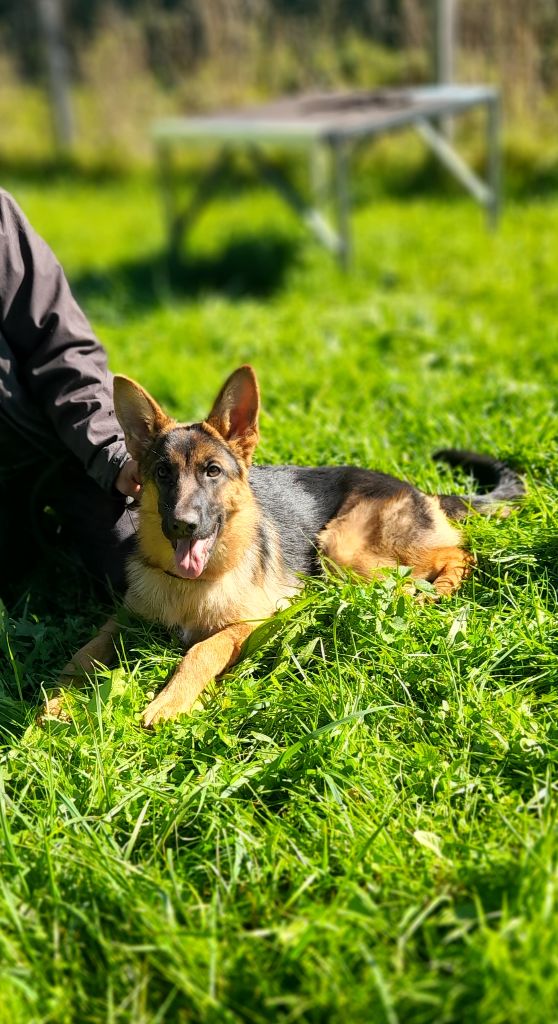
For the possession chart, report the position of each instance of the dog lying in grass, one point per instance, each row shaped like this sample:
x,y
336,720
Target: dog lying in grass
x,y
222,545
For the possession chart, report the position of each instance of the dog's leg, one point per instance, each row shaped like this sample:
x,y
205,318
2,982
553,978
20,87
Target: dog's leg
x,y
445,568
100,650
203,662
402,530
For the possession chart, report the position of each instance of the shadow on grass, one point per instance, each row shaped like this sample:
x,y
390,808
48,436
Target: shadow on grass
x,y
46,613
546,554
110,168
531,172
248,266
15,716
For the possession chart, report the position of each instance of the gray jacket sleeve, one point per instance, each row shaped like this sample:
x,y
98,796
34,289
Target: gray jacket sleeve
x,y
58,358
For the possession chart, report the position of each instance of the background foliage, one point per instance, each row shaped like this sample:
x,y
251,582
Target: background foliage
x,y
134,59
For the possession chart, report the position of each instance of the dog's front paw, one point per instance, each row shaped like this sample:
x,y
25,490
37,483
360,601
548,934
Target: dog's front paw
x,y
166,706
54,707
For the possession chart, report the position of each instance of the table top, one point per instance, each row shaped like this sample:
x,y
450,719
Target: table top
x,y
310,117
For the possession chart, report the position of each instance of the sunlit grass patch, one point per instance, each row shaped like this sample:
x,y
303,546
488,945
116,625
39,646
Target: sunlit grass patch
x,y
358,822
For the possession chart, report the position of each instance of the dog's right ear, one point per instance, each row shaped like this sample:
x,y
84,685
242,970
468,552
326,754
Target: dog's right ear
x,y
235,412
139,415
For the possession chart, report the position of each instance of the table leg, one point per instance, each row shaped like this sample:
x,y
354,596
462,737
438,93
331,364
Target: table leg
x,y
311,217
342,200
493,142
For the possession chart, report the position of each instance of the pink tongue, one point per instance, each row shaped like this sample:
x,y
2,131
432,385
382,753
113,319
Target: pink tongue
x,y
191,556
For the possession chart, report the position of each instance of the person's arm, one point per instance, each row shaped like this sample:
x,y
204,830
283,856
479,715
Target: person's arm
x,y
59,359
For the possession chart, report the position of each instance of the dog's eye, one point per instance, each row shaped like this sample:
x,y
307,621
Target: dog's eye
x,y
162,472
213,469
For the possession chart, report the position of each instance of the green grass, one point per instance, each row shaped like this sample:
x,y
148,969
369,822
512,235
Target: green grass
x,y
361,824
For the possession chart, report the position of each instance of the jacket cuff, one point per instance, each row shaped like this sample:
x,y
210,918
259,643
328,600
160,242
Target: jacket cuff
x,y
106,466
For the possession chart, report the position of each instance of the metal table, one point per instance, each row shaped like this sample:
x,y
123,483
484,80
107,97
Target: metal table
x,y
334,122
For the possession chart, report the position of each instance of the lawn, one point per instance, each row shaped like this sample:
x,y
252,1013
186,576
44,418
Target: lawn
x,y
361,823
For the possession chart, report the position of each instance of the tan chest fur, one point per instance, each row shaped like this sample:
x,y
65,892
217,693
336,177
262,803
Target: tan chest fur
x,y
201,607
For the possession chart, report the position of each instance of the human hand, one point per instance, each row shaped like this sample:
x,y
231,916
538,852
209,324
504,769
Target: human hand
x,y
128,480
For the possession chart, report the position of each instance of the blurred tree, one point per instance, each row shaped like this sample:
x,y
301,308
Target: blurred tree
x,y
322,41
51,25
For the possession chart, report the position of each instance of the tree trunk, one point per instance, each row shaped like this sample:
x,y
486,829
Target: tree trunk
x,y
51,22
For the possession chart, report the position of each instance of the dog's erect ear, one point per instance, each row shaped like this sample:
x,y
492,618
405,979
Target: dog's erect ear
x,y
235,412
139,415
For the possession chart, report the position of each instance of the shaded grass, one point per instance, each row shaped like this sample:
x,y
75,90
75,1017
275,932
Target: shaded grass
x,y
393,166
360,824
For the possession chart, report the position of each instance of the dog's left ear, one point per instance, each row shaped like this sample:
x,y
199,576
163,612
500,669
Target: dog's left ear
x,y
139,415
235,412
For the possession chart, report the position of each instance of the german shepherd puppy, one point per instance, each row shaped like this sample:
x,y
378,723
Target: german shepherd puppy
x,y
222,545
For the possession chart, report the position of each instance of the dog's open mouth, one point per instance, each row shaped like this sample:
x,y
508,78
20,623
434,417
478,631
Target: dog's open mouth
x,y
192,556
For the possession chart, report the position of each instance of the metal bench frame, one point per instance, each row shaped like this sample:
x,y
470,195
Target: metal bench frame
x,y
334,131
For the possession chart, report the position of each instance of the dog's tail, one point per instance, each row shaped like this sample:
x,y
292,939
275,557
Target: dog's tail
x,y
497,481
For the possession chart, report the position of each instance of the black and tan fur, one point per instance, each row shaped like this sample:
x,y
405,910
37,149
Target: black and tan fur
x,y
267,525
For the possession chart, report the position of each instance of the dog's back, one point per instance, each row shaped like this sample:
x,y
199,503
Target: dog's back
x,y
300,500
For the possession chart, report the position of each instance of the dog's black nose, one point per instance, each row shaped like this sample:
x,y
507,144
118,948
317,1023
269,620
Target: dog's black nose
x,y
186,525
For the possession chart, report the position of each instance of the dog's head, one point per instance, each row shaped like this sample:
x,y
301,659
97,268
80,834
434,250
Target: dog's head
x,y
194,476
